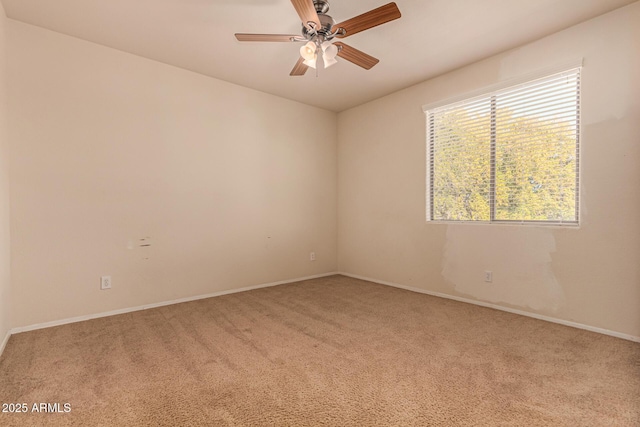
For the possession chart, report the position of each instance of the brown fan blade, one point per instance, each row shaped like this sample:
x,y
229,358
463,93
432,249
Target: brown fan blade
x,y
356,56
307,12
299,69
370,19
265,37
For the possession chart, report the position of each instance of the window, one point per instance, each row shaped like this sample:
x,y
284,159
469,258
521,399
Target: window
x,y
511,155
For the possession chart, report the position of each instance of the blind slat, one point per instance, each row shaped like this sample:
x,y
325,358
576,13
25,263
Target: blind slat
x,y
528,135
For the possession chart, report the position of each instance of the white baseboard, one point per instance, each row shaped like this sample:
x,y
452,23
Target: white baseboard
x,y
502,308
282,282
154,305
5,341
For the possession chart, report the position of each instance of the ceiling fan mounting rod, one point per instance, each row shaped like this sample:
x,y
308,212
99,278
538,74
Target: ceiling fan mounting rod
x,y
322,6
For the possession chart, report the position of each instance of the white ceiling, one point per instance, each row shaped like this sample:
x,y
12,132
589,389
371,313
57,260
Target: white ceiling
x,y
431,38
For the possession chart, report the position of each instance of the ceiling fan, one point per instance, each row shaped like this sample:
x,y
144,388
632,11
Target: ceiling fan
x,y
318,31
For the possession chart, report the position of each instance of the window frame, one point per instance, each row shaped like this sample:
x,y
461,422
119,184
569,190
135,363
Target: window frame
x,y
491,92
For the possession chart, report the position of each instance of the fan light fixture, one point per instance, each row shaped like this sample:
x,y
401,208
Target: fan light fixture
x,y
329,53
310,63
309,52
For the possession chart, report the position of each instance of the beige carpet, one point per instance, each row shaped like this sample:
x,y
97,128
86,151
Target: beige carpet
x,y
327,352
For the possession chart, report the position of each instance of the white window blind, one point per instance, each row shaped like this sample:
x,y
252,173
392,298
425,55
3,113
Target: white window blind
x,y
511,155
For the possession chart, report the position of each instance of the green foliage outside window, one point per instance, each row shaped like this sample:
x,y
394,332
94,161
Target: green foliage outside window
x,y
534,167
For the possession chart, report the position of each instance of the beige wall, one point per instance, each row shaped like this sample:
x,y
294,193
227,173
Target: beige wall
x,y
109,148
5,290
225,183
589,275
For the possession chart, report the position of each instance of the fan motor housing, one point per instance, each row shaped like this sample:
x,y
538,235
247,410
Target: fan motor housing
x,y
326,23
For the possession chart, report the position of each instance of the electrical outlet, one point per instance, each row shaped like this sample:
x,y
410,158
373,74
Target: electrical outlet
x,y
105,282
312,256
488,276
